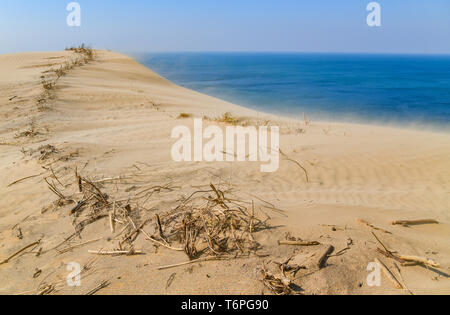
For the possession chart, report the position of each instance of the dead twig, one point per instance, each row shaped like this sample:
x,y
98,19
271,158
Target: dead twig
x,y
130,252
160,243
170,280
65,250
20,251
299,165
25,178
102,285
363,222
210,258
299,243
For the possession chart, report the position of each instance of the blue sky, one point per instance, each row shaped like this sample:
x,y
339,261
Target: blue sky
x,y
408,26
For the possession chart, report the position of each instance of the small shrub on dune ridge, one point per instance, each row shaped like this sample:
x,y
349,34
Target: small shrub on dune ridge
x,y
228,118
184,116
84,50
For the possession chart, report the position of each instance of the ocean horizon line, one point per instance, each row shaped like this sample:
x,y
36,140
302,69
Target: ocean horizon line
x,y
287,52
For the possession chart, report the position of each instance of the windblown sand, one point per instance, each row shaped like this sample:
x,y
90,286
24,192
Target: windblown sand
x,y
113,117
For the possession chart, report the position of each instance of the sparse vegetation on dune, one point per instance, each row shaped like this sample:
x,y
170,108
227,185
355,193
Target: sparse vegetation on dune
x,y
84,50
228,118
48,85
84,55
31,130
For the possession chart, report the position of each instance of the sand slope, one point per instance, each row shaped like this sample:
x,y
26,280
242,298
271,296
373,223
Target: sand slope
x,y
113,117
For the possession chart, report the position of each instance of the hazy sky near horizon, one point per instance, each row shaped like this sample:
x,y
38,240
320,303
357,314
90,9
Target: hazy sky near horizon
x,y
407,26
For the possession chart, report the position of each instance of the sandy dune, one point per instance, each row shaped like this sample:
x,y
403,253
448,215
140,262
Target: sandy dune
x,y
113,117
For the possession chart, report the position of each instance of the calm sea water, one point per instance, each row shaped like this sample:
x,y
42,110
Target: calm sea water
x,y
405,89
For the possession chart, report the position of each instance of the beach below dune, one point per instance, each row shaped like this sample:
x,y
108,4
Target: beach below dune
x,y
111,119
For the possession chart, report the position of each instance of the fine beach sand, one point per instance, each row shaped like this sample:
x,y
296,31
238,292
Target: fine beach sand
x,y
113,117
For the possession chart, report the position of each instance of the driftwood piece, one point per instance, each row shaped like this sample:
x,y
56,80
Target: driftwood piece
x,y
419,260
389,275
406,260
323,257
414,222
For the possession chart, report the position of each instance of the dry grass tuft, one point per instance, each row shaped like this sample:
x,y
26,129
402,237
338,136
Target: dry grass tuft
x,y
218,227
60,72
184,116
306,120
208,225
86,51
46,151
48,85
30,132
228,118
278,285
